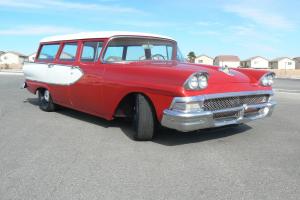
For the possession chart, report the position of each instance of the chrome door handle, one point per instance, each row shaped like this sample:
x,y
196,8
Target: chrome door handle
x,y
50,65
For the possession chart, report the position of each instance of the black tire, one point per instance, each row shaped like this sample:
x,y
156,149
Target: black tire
x,y
45,101
143,119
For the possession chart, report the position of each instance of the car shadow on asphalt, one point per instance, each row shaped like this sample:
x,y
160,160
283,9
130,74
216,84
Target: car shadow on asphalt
x,y
164,136
173,138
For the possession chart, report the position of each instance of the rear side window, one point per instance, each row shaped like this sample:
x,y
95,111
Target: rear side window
x,y
91,51
69,52
48,52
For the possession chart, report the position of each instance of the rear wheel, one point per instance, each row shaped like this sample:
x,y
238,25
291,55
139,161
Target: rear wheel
x,y
143,119
45,100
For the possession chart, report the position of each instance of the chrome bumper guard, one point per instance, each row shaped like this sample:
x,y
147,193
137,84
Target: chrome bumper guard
x,y
191,121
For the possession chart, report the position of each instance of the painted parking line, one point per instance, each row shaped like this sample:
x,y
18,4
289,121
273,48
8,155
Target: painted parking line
x,y
12,73
286,90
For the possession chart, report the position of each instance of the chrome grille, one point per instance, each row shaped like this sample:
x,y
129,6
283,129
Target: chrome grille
x,y
232,102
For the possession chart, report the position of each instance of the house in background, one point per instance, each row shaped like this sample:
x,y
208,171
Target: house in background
x,y
256,62
12,57
204,59
227,60
297,62
282,63
31,57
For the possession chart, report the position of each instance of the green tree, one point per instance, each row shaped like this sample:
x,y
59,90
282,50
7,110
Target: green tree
x,y
191,56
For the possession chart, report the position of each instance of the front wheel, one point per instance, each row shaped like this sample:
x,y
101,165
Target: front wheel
x,y
45,101
143,119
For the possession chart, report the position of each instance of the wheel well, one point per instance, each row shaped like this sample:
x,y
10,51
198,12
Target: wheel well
x,y
40,88
126,105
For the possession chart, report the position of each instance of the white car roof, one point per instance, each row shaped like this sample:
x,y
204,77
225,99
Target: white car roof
x,y
100,34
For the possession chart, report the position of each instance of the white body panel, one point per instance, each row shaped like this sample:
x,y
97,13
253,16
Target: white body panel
x,y
102,34
52,73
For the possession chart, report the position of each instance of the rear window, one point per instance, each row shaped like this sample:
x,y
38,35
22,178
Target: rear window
x,y
48,52
69,52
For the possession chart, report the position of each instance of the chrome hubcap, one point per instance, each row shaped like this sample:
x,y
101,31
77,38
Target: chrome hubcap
x,y
46,95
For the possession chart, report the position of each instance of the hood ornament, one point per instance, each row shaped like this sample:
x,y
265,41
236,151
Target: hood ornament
x,y
226,70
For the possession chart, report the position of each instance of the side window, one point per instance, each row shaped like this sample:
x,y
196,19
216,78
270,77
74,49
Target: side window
x,y
91,51
161,52
69,52
48,52
135,53
114,53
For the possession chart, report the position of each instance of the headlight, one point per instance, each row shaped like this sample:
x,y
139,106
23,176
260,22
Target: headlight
x,y
193,83
202,81
197,81
267,79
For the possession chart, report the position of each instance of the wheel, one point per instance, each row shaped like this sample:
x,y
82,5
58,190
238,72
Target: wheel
x,y
45,101
143,119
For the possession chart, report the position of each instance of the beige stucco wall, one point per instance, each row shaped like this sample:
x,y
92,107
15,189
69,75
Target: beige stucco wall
x,y
284,63
10,58
259,63
204,60
232,64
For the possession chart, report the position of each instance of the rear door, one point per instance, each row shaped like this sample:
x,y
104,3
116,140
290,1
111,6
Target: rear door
x,y
56,76
65,71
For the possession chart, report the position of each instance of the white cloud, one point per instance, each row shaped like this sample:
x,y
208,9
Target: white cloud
x,y
68,5
260,16
37,30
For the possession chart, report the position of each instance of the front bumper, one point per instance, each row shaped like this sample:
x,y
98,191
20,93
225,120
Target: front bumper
x,y
191,121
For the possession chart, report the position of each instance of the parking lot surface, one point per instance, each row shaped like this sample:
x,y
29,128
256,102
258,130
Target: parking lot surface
x,y
72,155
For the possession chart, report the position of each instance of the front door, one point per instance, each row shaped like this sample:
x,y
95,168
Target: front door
x,y
86,94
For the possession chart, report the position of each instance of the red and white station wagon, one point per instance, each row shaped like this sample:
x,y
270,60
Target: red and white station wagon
x,y
145,78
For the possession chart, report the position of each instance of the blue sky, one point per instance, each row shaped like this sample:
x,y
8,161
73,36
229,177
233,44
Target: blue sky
x,y
246,28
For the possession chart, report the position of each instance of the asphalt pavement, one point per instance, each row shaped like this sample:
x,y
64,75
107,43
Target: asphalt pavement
x,y
71,155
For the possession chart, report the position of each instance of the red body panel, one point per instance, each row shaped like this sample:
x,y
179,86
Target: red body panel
x,y
103,86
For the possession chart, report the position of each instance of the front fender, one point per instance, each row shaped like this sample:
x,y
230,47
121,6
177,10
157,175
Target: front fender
x,y
253,74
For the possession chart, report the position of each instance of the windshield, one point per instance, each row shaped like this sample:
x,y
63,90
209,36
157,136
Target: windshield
x,y
139,49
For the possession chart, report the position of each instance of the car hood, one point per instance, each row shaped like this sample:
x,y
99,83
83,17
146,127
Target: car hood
x,y
216,74
181,71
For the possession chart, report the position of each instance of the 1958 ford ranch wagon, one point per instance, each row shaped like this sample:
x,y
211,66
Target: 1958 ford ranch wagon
x,y
145,78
